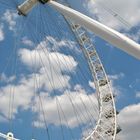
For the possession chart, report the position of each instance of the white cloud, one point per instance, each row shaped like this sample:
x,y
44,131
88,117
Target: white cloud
x,y
51,113
27,42
51,75
23,94
1,33
100,8
24,90
53,44
92,85
134,83
6,79
116,89
10,17
60,43
116,76
138,95
135,36
129,120
51,67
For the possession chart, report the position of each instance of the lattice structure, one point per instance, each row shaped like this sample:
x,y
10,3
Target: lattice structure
x,y
106,127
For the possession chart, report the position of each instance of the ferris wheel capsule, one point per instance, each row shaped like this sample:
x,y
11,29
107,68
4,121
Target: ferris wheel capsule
x,y
10,136
25,7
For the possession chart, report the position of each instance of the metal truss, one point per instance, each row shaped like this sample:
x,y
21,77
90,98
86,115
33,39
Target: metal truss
x,y
106,127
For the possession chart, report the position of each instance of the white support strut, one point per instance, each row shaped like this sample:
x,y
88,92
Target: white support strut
x,y
25,7
110,35
113,37
9,136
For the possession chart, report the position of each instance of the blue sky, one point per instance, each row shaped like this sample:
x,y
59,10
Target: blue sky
x,y
27,68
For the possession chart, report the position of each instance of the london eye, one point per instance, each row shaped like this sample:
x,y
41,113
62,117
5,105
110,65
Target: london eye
x,y
59,83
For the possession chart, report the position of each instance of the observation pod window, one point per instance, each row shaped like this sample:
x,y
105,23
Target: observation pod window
x,y
43,1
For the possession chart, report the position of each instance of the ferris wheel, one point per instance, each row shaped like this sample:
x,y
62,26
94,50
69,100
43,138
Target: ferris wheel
x,y
105,126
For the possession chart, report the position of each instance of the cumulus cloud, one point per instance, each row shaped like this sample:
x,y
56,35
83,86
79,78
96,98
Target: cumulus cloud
x,y
116,89
23,94
92,85
134,35
1,33
10,17
113,13
51,67
50,72
129,120
5,79
64,103
24,89
134,83
60,43
54,44
116,76
138,95
23,100
27,42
